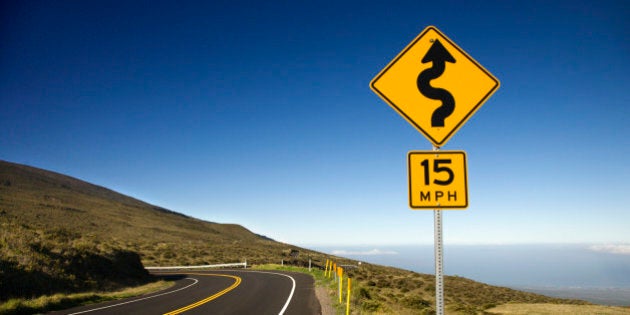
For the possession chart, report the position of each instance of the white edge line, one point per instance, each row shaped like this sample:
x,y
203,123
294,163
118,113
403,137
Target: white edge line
x,y
290,295
292,289
142,299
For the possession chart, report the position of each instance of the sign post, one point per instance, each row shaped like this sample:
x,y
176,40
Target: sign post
x,y
439,257
439,261
436,86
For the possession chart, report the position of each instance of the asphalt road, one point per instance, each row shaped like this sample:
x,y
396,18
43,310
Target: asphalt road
x,y
220,292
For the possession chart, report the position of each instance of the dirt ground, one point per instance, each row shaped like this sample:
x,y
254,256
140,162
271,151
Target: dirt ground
x,y
324,301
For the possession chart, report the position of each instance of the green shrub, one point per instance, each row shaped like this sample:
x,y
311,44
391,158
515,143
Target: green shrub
x,y
364,293
370,306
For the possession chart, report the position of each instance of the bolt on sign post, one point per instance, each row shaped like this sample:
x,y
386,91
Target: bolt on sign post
x,y
436,86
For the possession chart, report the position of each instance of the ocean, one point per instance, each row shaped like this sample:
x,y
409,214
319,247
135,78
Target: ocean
x,y
600,274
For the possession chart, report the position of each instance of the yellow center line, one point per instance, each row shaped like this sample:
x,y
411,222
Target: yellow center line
x,y
210,298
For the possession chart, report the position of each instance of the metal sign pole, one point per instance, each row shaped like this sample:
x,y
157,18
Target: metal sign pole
x,y
439,256
439,276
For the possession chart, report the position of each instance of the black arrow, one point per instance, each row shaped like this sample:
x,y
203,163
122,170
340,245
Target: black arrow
x,y
439,56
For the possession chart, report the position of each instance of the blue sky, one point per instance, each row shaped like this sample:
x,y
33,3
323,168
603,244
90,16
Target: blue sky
x,y
260,113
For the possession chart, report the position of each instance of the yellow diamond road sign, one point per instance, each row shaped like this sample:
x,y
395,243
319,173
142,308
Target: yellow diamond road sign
x,y
434,85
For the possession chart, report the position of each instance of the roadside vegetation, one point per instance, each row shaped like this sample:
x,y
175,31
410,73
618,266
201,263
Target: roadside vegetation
x,y
557,309
59,301
40,261
384,290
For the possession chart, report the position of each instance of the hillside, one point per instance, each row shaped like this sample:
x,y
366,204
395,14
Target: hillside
x,y
52,226
60,234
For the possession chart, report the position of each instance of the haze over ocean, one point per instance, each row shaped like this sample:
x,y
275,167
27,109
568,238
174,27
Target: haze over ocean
x,y
568,270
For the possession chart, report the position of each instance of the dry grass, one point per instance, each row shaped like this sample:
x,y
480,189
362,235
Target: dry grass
x,y
49,205
383,290
553,309
60,301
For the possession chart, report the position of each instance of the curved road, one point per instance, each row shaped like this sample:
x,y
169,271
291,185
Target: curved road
x,y
220,292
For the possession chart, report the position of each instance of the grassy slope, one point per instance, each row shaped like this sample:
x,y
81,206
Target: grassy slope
x,y
62,234
57,231
557,309
45,201
47,303
395,291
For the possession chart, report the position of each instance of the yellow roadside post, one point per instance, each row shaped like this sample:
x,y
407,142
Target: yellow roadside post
x,y
348,299
340,285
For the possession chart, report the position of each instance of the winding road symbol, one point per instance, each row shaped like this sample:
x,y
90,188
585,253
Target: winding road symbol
x,y
435,85
439,56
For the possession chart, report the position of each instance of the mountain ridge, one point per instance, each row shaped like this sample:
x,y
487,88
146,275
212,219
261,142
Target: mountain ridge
x,y
54,228
61,194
